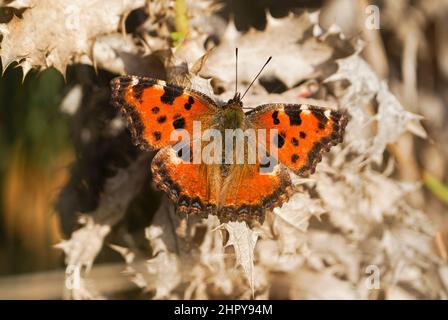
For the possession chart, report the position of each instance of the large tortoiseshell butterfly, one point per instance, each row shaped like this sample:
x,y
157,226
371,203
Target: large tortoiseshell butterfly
x,y
235,192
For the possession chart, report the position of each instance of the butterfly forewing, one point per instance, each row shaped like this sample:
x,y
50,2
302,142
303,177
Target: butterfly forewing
x,y
302,132
154,109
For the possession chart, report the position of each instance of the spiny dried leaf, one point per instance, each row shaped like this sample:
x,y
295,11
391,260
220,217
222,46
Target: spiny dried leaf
x,y
292,220
277,41
18,4
243,240
392,118
164,266
56,33
85,243
80,252
335,250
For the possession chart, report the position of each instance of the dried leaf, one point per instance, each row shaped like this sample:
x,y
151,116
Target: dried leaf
x,y
307,52
243,240
392,119
58,33
85,243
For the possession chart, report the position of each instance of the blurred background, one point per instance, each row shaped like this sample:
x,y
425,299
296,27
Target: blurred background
x,y
39,139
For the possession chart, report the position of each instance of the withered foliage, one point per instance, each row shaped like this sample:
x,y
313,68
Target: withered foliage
x,y
361,212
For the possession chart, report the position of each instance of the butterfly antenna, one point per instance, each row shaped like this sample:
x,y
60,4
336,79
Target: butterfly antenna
x,y
236,71
258,74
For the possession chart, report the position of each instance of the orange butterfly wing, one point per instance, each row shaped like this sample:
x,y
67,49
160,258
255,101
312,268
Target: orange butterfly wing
x,y
154,109
185,183
304,132
247,196
254,193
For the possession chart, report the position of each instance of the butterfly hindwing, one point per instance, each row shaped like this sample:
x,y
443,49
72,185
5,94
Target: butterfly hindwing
x,y
185,183
244,195
253,193
304,132
154,109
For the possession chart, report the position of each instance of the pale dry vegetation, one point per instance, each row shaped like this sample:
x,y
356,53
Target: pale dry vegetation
x,y
364,210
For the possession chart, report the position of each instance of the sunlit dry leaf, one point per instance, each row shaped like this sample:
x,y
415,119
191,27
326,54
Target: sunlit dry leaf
x,y
292,220
82,248
56,33
305,51
392,119
243,240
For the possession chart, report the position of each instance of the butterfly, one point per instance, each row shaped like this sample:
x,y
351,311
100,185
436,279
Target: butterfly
x,y
153,109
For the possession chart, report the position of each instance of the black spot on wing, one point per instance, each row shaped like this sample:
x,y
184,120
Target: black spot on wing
x,y
275,117
170,93
321,118
161,119
179,123
157,135
294,141
294,158
302,135
293,112
279,140
189,104
155,110
267,164
141,86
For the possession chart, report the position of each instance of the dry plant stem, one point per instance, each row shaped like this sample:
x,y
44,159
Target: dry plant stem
x,y
408,168
441,241
374,51
409,67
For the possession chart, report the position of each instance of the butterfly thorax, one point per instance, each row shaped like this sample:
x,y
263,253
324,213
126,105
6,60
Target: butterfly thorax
x,y
232,114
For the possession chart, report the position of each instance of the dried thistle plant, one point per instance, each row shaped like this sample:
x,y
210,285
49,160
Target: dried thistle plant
x,y
350,217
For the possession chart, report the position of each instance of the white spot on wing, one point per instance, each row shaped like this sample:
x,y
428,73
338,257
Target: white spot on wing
x,y
135,80
275,171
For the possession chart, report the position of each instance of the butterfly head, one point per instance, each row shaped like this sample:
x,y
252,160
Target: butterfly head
x,y
235,101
